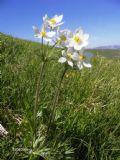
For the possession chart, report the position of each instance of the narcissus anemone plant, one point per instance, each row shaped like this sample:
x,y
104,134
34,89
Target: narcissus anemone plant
x,y
46,35
54,21
72,43
63,38
81,60
67,56
78,40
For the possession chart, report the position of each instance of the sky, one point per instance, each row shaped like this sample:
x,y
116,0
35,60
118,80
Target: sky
x,y
99,18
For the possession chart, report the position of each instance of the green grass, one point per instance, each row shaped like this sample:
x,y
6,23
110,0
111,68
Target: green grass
x,y
108,53
87,120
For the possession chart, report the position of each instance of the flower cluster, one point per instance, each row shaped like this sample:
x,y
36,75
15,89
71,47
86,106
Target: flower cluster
x,y
71,43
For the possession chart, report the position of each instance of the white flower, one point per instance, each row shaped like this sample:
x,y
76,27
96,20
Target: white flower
x,y
47,36
67,56
78,40
53,22
63,38
81,60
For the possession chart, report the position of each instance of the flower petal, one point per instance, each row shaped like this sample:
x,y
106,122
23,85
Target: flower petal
x,y
64,53
36,30
62,60
38,36
71,43
51,34
60,23
78,47
47,39
80,66
79,31
70,63
58,18
45,17
75,56
88,65
70,50
86,36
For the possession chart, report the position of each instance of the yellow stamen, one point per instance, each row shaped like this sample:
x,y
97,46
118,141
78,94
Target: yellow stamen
x,y
66,75
69,56
53,21
63,38
43,34
77,39
82,57
70,74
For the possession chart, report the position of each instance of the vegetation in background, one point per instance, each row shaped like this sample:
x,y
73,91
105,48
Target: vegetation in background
x,y
87,121
108,53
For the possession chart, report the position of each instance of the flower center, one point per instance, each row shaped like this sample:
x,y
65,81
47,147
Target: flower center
x,y
63,38
43,34
77,39
53,21
69,56
82,57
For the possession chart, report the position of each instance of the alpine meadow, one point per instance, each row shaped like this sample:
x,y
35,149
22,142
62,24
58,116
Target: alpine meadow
x,y
57,101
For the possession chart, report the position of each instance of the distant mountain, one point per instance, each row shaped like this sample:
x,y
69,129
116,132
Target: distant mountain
x,y
117,47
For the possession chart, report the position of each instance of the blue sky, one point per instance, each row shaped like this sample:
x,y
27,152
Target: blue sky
x,y
99,18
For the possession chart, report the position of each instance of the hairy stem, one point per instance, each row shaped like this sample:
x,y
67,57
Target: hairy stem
x,y
37,97
55,100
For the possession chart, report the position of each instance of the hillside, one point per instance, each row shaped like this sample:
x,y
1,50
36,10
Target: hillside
x,y
86,122
116,47
108,53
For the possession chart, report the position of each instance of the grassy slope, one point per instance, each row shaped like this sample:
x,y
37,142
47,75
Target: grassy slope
x,y
88,116
109,53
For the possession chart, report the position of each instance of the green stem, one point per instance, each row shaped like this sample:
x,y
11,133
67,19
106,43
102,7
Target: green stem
x,y
37,98
53,46
55,100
